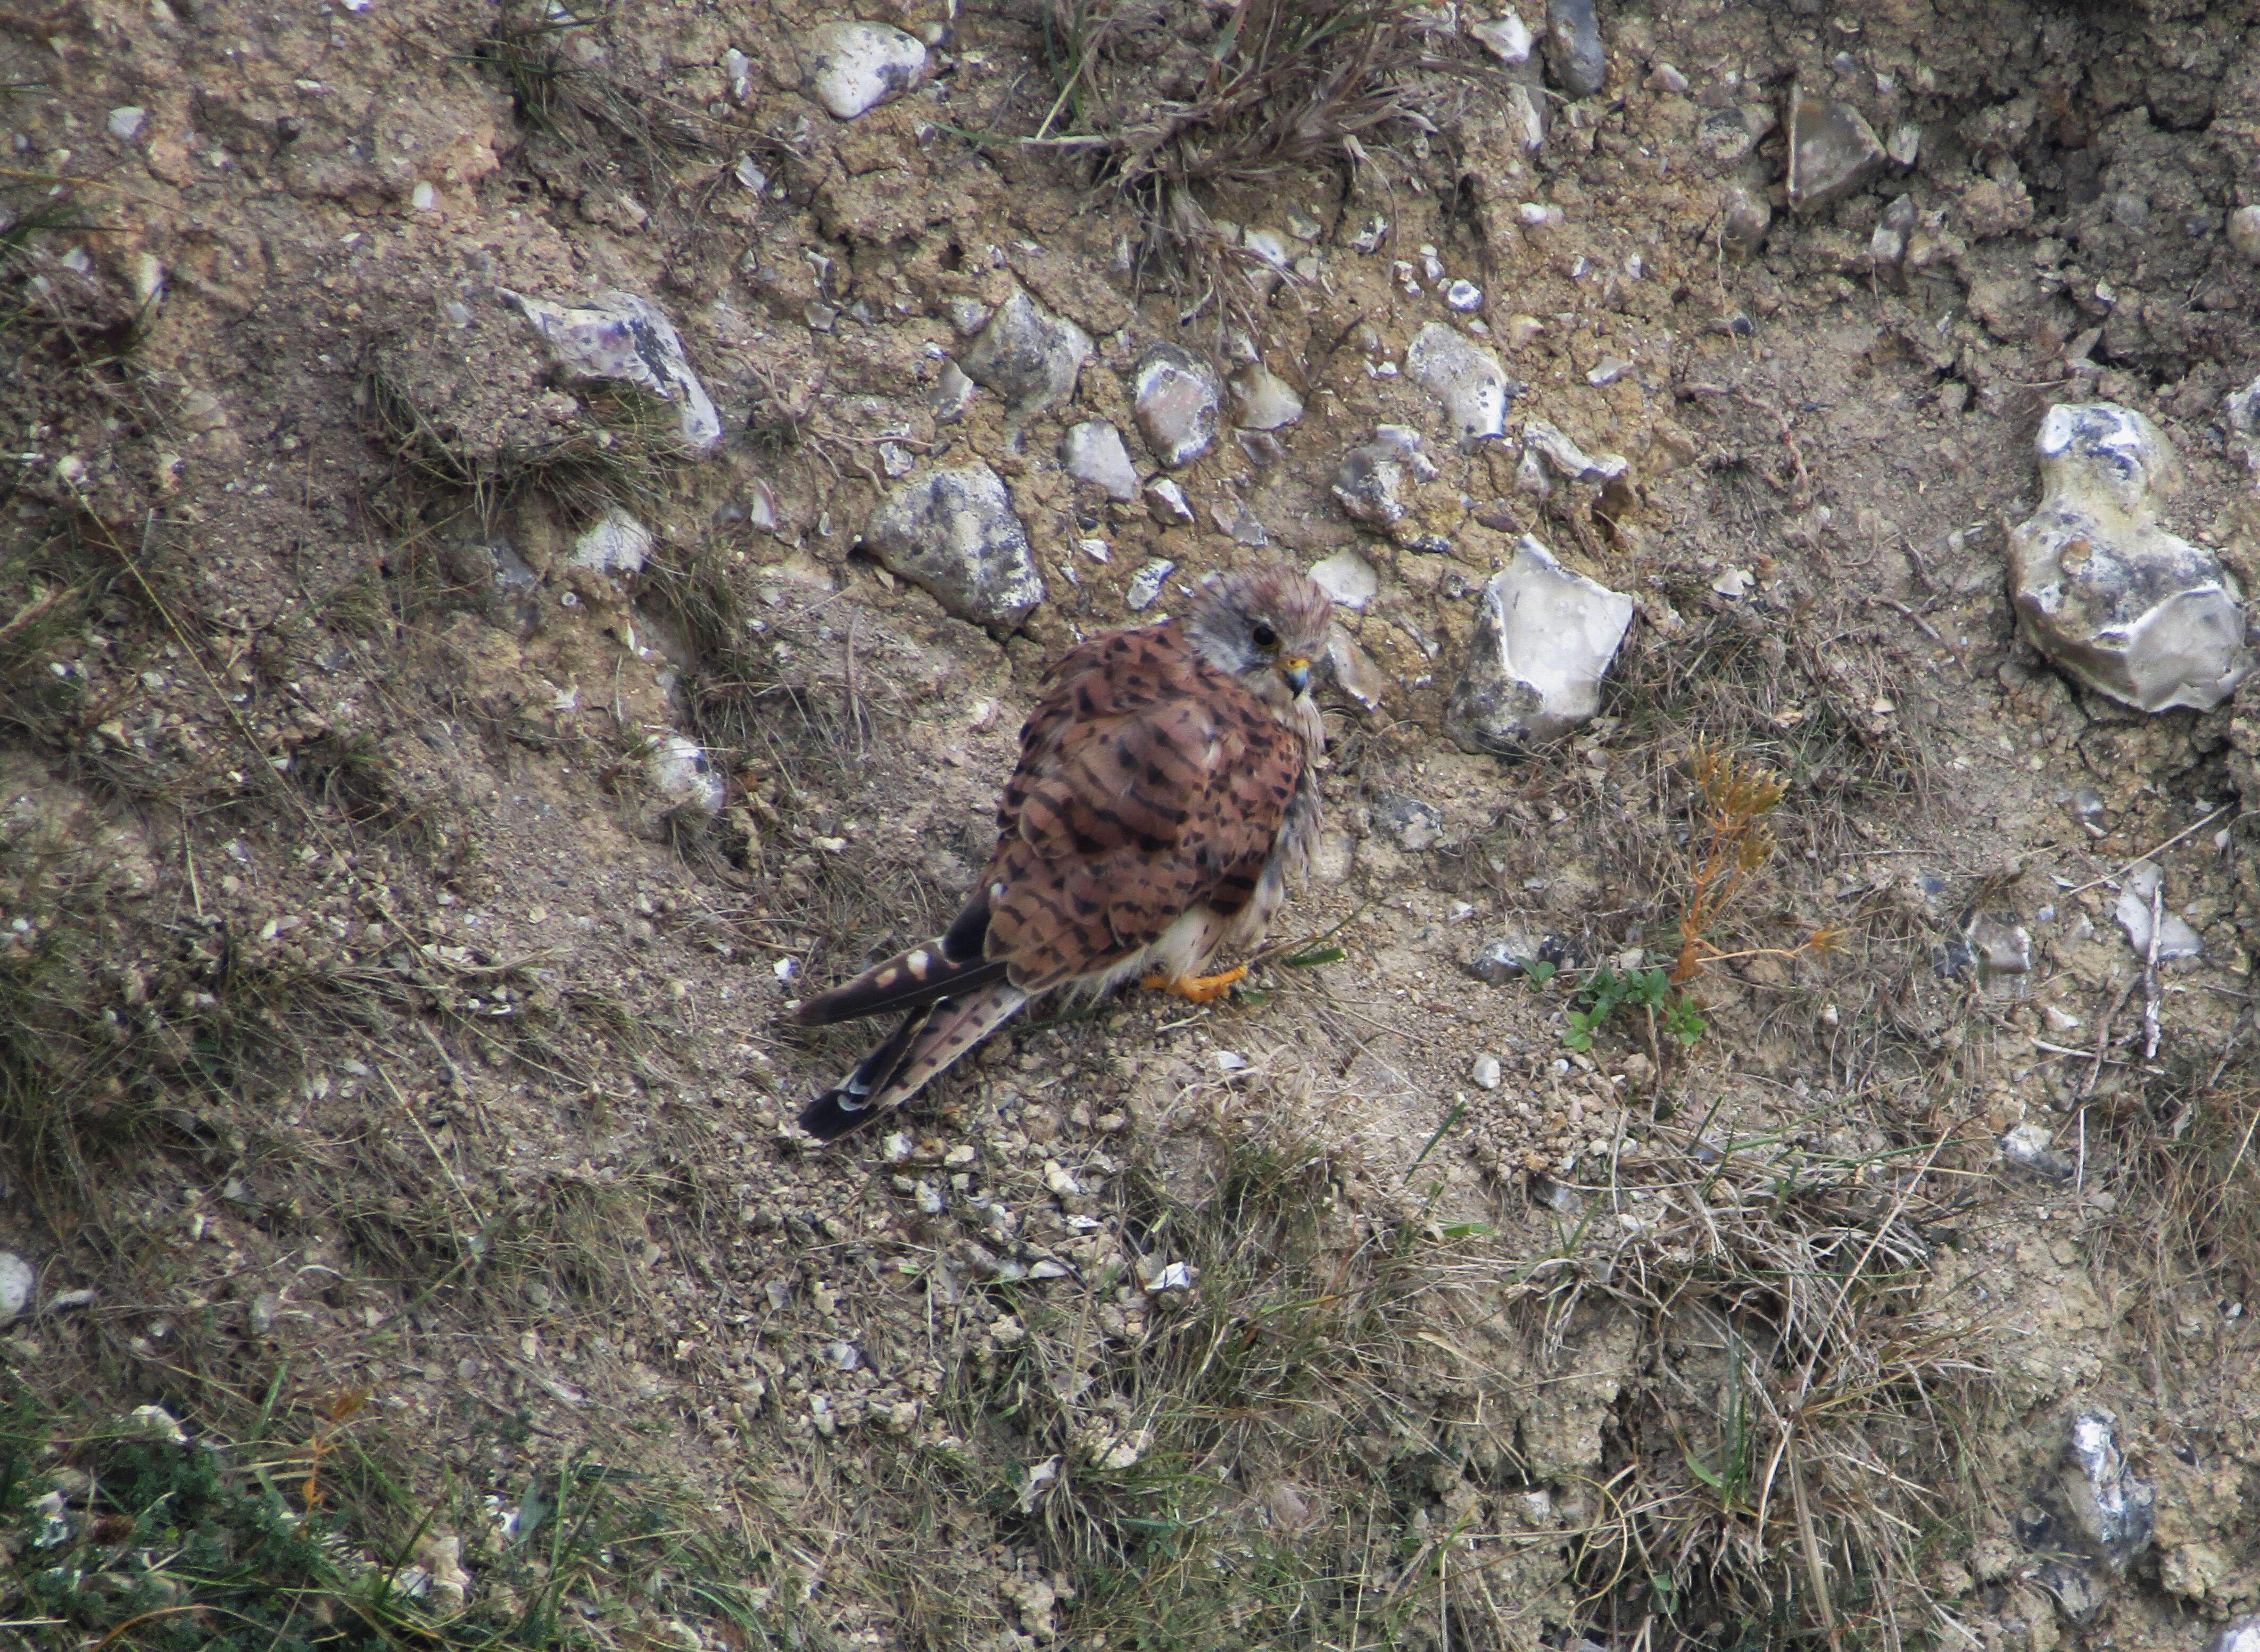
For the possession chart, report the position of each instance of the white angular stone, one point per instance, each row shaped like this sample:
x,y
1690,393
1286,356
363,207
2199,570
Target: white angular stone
x,y
1506,37
618,544
2244,233
680,771
1354,670
952,394
17,1279
1543,641
954,532
853,67
1565,458
1176,400
1262,400
1346,577
1165,503
2176,937
1093,452
1833,152
1465,377
1027,356
1366,480
125,122
1145,587
1486,1072
624,337
2114,599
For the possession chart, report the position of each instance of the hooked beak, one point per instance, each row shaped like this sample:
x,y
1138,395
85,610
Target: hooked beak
x,y
1296,670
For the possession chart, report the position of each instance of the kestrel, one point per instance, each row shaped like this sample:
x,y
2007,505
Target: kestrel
x,y
1168,783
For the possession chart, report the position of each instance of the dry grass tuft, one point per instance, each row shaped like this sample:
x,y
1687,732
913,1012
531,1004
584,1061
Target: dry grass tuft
x,y
2181,1157
1775,1472
1243,1469
1165,111
625,450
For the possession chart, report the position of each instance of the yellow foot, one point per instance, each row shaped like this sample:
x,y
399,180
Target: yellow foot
x,y
1197,989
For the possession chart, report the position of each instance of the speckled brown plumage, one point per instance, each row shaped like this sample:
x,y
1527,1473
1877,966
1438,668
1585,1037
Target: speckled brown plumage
x,y
1166,785
1149,782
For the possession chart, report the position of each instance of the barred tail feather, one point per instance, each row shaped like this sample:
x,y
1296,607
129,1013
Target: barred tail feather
x,y
929,1039
949,965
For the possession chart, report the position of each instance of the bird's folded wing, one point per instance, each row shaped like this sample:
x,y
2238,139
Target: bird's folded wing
x,y
1119,824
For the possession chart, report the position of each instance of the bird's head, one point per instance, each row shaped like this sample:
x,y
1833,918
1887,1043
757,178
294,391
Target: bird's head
x,y
1267,627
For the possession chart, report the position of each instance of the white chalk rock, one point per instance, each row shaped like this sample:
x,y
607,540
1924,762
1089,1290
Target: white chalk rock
x,y
1175,398
1028,356
1348,578
1565,458
2176,939
1466,378
1093,452
17,1279
1355,672
954,532
1262,400
618,544
681,772
2114,599
1366,480
626,338
1543,641
853,67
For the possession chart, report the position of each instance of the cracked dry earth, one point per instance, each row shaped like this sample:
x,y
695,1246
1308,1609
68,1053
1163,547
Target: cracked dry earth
x,y
404,897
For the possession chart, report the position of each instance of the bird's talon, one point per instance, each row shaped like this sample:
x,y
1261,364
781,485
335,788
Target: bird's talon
x,y
1197,989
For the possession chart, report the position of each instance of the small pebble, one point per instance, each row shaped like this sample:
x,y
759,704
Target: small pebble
x,y
1486,1072
125,123
1146,585
2244,232
18,1278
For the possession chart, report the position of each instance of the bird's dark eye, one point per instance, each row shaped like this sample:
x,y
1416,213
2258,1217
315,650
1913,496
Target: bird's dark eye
x,y
1264,636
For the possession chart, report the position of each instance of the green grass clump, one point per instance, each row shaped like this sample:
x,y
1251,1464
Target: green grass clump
x,y
138,1537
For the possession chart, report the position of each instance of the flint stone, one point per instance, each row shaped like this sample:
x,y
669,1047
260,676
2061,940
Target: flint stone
x,y
954,532
1573,46
1547,444
681,772
617,544
2176,937
1028,357
1175,398
1262,400
1542,640
2243,1636
1144,587
952,394
1746,217
1165,503
624,337
2244,233
17,1280
2114,599
1354,670
1348,578
1506,37
1468,380
1366,483
1093,452
2110,1503
853,67
1833,152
